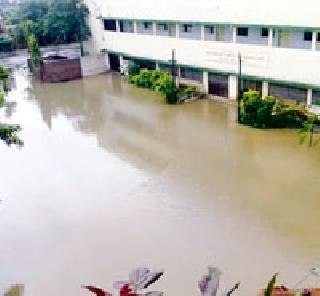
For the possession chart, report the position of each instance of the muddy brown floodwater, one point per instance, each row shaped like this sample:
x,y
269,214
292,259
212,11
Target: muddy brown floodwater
x,y
111,178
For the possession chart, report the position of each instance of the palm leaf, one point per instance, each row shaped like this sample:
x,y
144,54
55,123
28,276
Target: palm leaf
x,y
271,285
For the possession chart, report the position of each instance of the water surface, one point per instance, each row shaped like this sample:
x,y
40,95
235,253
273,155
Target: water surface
x,y
111,178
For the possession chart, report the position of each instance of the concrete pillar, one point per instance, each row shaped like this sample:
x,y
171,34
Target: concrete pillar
x,y
234,34
202,32
178,30
135,27
309,97
117,25
270,37
314,41
154,28
178,76
157,65
206,82
233,87
121,64
265,89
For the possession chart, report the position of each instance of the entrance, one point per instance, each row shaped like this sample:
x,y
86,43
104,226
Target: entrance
x,y
218,85
114,62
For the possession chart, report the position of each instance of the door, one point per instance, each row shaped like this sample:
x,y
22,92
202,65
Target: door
x,y
218,85
220,33
114,62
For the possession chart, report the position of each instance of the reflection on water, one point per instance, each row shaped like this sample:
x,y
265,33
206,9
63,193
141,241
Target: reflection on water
x,y
111,178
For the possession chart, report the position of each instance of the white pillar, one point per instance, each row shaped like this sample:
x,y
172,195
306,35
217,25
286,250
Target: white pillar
x,y
233,87
157,65
121,64
234,34
206,82
309,97
178,30
135,27
270,37
154,28
314,41
178,76
202,32
265,89
117,26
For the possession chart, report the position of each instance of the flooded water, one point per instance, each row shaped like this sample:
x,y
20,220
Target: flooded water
x,y
111,178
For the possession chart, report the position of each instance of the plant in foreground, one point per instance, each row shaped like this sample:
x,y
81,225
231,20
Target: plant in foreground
x,y
139,279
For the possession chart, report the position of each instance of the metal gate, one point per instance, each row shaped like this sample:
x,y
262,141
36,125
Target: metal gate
x,y
218,85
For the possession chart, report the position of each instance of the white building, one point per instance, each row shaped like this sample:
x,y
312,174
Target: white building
x,y
278,40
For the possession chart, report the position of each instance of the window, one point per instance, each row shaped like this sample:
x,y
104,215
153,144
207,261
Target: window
x,y
191,74
163,27
264,32
110,25
147,25
209,30
242,31
187,28
307,36
318,36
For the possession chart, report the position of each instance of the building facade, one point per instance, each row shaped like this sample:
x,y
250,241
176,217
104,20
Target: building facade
x,y
278,42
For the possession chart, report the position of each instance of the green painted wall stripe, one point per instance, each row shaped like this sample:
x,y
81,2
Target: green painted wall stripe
x,y
271,26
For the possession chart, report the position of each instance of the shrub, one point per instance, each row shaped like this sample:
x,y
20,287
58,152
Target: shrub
x,y
4,73
8,134
156,80
189,92
1,99
269,112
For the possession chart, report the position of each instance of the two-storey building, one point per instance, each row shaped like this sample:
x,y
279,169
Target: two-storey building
x,y
278,42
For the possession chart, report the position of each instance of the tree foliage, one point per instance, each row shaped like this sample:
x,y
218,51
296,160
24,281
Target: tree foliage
x,y
51,21
34,50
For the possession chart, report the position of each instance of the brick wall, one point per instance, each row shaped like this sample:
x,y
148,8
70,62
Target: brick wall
x,y
60,70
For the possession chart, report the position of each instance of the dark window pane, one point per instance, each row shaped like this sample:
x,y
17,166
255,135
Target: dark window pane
x,y
307,36
187,28
147,25
110,25
264,32
209,30
242,31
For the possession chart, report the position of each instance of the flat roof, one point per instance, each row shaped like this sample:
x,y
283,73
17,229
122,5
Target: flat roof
x,y
291,13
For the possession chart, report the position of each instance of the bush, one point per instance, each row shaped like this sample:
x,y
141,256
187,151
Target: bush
x,y
4,73
1,99
8,134
189,92
157,81
269,112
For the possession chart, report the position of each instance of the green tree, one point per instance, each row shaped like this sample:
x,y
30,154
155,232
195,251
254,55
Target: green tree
x,y
34,50
66,21
52,21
